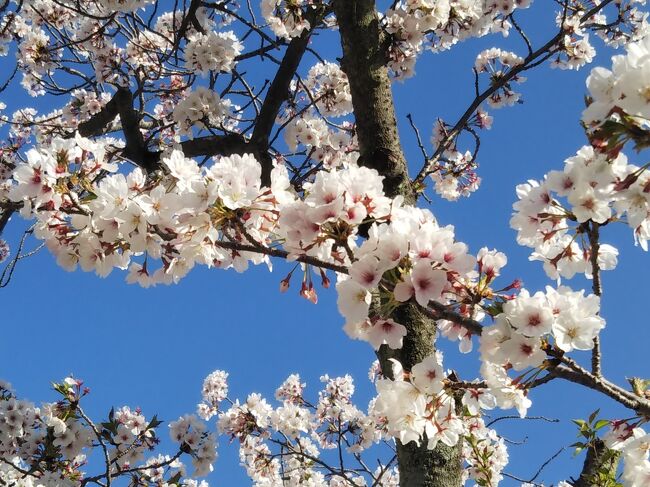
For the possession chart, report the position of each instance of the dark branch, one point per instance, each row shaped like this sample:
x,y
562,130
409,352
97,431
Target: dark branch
x,y
276,95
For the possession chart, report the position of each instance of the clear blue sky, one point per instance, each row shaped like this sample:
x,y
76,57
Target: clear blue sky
x,y
152,348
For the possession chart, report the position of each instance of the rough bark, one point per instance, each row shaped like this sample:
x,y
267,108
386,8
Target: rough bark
x,y
439,467
364,62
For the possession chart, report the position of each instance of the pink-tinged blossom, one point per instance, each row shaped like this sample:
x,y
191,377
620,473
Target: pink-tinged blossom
x,y
353,300
385,332
424,282
530,315
428,375
367,271
477,399
523,352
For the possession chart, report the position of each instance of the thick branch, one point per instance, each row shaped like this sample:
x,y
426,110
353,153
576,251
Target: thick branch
x,y
135,148
102,119
189,18
579,375
216,145
278,92
276,95
122,105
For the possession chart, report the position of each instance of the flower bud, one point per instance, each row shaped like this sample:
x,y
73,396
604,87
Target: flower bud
x,y
284,285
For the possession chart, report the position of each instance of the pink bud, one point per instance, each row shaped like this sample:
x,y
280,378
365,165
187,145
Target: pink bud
x,y
303,290
325,280
284,285
516,284
311,294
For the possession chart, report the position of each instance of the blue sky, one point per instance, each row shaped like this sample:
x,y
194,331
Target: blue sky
x,y
152,348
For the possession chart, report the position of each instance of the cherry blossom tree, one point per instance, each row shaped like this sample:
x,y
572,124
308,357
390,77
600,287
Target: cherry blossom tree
x,y
164,151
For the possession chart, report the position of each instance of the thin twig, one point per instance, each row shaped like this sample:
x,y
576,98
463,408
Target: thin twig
x,y
594,241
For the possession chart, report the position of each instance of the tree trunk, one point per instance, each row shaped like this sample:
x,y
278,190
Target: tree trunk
x,y
364,62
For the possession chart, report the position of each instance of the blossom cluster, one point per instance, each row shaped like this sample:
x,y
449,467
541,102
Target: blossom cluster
x,y
288,18
496,63
305,431
181,215
332,147
160,224
422,404
83,106
329,88
517,337
55,442
529,329
484,451
454,175
169,98
193,437
417,25
215,390
556,216
404,409
144,51
202,108
221,216
415,257
175,218
575,48
215,51
622,91
48,34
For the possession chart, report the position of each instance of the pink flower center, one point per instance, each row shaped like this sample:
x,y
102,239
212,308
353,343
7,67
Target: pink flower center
x,y
534,320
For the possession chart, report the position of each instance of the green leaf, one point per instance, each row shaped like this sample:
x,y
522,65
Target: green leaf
x,y
639,386
601,424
